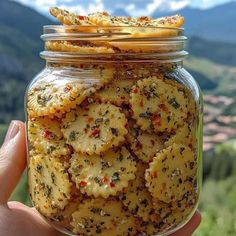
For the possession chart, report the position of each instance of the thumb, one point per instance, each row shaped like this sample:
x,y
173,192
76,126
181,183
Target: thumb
x,y
12,159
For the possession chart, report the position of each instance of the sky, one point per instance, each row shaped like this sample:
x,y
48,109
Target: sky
x,y
132,7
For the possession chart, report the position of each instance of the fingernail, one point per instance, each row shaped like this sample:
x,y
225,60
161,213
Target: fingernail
x,y
12,131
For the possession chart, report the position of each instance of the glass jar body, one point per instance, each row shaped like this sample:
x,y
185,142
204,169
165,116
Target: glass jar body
x,y
114,148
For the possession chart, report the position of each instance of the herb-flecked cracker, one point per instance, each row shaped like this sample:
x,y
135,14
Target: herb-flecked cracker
x,y
171,173
45,136
103,217
95,128
117,92
53,98
83,49
68,18
103,175
184,135
157,105
105,19
144,145
136,196
49,184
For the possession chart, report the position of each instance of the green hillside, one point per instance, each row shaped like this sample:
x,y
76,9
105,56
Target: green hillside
x,y
224,76
219,192
20,44
219,52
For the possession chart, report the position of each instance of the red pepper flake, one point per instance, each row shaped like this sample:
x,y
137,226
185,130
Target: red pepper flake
x,y
144,18
67,88
48,135
156,119
81,17
162,107
112,185
105,179
86,130
135,90
89,119
141,103
83,184
95,133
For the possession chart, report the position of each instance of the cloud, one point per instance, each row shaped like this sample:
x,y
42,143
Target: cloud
x,y
132,7
177,5
97,5
76,9
43,5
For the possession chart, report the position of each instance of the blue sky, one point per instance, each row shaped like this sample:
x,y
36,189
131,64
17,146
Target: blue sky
x,y
133,7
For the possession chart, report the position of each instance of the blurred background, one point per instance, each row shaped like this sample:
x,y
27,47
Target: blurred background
x,y
210,26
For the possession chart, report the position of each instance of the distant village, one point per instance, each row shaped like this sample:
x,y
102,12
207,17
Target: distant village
x,y
217,127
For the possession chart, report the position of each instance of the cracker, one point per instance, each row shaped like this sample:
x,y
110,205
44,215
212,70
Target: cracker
x,y
95,129
137,198
103,175
49,184
171,173
184,135
157,105
103,217
64,46
55,97
45,136
117,92
144,145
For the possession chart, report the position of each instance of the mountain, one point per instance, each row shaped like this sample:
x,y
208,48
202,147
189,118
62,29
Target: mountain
x,y
20,29
216,24
219,52
24,19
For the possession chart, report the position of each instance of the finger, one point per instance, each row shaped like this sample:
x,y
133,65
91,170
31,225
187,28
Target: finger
x,y
12,159
190,227
29,222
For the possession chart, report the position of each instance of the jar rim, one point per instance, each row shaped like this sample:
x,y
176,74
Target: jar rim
x,y
163,43
54,32
70,57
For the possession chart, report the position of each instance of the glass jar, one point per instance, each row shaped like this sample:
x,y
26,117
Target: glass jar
x,y
114,126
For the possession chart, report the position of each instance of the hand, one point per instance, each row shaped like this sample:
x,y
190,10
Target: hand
x,y
17,219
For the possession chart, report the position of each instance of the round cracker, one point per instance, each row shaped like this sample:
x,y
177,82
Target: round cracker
x,y
157,105
95,129
137,198
144,145
171,173
103,217
103,175
45,136
49,184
